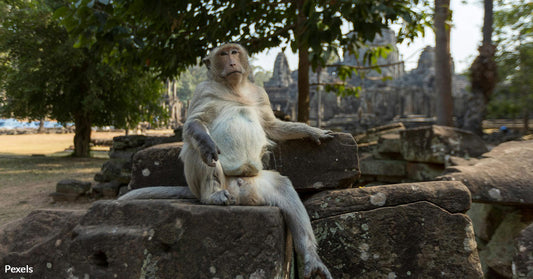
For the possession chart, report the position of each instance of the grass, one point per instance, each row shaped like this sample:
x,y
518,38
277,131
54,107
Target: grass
x,y
31,166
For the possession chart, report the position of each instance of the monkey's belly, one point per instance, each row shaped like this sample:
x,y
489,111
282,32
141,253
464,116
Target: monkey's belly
x,y
241,139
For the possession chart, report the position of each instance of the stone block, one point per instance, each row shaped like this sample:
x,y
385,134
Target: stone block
x,y
389,146
372,166
332,164
432,144
107,189
152,239
158,165
311,167
502,176
522,259
423,171
412,230
73,186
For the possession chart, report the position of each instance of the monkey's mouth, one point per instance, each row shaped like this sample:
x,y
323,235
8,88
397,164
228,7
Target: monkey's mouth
x,y
234,72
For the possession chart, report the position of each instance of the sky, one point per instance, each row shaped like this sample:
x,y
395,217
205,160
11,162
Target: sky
x,y
464,41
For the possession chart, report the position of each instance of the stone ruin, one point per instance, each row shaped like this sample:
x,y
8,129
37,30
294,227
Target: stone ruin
x,y
407,97
408,230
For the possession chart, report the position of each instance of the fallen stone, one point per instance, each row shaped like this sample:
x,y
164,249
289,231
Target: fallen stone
x,y
64,197
388,147
38,240
499,252
372,166
416,240
423,171
107,189
158,165
452,196
310,167
150,239
432,144
522,260
502,176
410,230
72,186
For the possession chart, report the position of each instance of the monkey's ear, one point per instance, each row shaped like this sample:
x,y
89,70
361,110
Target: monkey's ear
x,y
207,62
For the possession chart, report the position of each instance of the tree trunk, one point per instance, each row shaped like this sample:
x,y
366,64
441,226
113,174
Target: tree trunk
x,y
482,76
41,126
82,136
443,68
303,68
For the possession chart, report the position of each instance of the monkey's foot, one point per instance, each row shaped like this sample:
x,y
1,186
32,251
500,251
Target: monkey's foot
x,y
315,267
222,197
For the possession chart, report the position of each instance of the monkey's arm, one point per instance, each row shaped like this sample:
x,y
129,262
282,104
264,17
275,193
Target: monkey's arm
x,y
195,129
196,132
281,130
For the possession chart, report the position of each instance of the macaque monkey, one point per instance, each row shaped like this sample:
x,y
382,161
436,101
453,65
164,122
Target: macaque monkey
x,y
229,127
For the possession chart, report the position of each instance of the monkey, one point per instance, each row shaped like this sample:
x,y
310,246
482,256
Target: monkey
x,y
229,126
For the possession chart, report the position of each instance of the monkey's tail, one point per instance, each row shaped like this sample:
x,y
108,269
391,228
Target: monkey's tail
x,y
159,192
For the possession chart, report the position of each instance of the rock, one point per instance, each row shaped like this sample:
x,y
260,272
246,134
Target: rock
x,y
522,260
332,164
72,186
109,171
388,146
371,166
502,176
107,189
152,239
432,144
412,230
39,240
423,171
64,197
498,253
311,167
417,240
158,165
452,196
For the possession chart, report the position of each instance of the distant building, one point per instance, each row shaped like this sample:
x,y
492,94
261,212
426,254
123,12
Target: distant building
x,y
406,96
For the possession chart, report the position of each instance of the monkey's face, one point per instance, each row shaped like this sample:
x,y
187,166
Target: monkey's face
x,y
229,63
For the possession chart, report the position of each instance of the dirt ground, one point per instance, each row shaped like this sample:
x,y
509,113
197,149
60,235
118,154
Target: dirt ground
x,y
32,164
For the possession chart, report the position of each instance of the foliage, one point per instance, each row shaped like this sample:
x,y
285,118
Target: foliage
x,y
43,75
513,27
171,35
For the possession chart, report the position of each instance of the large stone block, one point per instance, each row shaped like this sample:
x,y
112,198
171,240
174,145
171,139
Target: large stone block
x,y
522,260
332,164
310,167
372,166
413,230
433,143
158,165
502,176
151,239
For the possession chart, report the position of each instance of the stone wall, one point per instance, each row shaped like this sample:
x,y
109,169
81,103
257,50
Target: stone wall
x,y
394,154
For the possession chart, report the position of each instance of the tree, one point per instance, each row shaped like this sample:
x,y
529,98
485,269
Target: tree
x,y
443,67
170,35
482,76
43,75
513,25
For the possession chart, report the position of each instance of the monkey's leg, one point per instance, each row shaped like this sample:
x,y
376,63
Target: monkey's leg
x,y
271,188
207,183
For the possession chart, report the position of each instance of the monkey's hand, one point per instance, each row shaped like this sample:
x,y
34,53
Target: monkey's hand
x,y
209,152
319,135
315,268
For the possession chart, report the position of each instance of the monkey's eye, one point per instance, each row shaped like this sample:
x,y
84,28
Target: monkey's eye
x,y
234,51
223,53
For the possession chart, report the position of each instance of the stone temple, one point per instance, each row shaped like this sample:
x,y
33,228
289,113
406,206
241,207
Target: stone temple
x,y
393,95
